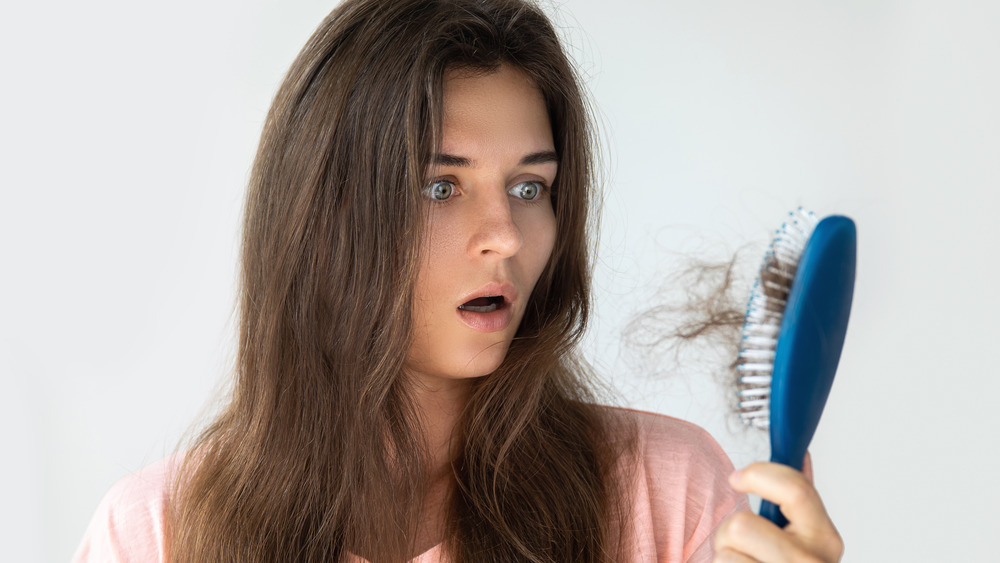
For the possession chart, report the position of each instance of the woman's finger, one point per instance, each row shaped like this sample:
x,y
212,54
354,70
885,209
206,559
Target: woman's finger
x,y
787,488
807,468
756,539
730,556
809,524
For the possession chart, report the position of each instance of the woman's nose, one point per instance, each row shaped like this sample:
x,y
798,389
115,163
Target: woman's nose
x,y
495,231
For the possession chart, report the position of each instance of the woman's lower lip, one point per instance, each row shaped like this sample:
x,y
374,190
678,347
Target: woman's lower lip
x,y
487,322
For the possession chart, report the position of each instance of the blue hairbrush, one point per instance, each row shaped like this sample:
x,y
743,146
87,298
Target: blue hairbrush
x,y
793,334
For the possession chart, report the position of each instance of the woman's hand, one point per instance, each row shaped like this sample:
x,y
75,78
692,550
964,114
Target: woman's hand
x,y
810,535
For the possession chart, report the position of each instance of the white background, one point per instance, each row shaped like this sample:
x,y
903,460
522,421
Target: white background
x,y
128,130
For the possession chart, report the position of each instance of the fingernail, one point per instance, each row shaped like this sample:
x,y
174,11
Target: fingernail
x,y
734,477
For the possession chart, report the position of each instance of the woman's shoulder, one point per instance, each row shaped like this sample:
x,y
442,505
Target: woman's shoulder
x,y
679,483
130,521
659,434
671,449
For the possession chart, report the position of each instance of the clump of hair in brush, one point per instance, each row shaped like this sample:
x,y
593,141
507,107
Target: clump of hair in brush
x,y
764,312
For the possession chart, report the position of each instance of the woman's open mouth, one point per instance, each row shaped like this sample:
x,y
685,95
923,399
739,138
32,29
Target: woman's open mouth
x,y
491,313
484,304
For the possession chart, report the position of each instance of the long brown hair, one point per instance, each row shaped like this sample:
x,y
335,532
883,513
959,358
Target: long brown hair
x,y
317,454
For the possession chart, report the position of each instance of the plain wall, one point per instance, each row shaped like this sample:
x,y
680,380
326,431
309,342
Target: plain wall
x,y
129,129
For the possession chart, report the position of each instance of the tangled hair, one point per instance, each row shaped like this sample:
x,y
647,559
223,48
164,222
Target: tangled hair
x,y
318,453
697,320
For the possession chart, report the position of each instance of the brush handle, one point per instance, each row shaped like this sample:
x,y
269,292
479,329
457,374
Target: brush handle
x,y
771,511
809,342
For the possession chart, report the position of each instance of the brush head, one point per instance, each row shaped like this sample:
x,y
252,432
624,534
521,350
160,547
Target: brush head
x,y
764,315
795,330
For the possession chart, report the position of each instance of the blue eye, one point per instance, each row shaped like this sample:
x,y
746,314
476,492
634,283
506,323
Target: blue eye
x,y
439,190
527,190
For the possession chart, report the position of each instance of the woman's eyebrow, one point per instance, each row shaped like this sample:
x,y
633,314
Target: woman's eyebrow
x,y
442,159
541,157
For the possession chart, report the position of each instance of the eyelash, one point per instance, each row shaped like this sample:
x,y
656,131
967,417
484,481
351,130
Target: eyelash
x,y
428,190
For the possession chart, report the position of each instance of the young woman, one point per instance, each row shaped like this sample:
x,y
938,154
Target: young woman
x,y
414,279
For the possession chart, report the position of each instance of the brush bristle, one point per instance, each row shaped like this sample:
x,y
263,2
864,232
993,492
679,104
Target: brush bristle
x,y
765,310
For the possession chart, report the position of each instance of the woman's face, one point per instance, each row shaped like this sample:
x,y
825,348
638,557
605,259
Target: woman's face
x,y
490,228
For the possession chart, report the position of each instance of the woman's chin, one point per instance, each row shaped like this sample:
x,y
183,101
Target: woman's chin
x,y
462,367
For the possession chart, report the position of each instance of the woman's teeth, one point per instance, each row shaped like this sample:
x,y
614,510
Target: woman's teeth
x,y
483,304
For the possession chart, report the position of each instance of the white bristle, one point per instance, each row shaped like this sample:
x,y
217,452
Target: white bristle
x,y
755,354
763,317
755,392
768,331
776,286
758,413
764,367
778,271
755,341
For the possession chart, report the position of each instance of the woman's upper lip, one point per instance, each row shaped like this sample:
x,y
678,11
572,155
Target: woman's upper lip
x,y
493,289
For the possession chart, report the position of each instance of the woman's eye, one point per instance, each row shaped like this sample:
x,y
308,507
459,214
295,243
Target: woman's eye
x,y
439,190
526,190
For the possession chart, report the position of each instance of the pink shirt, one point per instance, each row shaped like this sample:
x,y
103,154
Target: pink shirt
x,y
680,494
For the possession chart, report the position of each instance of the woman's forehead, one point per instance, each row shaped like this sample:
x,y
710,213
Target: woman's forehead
x,y
483,110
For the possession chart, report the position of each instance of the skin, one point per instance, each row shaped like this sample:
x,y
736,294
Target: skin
x,y
495,138
483,232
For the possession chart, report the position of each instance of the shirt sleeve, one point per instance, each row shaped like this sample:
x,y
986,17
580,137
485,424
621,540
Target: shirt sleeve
x,y
129,523
682,490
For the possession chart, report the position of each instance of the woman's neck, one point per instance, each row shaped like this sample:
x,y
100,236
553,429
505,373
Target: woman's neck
x,y
440,403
